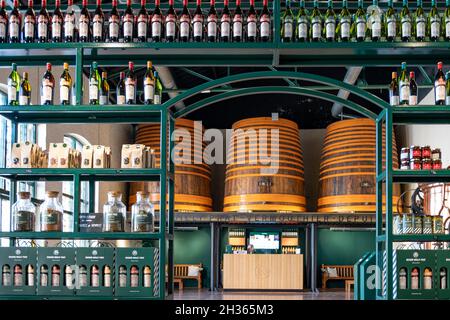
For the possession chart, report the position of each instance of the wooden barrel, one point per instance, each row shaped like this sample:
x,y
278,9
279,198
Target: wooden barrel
x,y
192,180
250,184
347,168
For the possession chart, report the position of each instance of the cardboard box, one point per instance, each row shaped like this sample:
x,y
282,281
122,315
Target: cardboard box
x,y
23,258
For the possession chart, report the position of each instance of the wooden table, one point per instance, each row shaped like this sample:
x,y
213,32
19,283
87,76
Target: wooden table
x,y
348,284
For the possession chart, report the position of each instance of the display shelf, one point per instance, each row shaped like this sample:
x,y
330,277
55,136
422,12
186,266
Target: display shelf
x,y
83,235
420,237
421,115
83,114
413,176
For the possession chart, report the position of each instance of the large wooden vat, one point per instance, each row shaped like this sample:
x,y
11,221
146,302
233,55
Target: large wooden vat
x,y
192,181
347,169
247,187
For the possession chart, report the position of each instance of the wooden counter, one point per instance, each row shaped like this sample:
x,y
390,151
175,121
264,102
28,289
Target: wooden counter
x,y
263,271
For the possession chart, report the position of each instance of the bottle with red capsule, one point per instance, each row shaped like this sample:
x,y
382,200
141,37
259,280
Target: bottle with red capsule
x,y
128,23
130,85
113,23
15,21
225,23
211,23
84,22
170,24
157,23
69,23
29,24
3,22
264,23
57,23
237,23
251,23
142,23
185,23
197,23
43,23
97,23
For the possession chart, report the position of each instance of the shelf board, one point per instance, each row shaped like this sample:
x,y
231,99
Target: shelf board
x,y
49,174
420,237
413,176
82,235
82,114
421,115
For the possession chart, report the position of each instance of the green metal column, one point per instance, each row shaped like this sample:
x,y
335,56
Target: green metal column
x,y
171,208
12,182
389,204
79,77
91,195
76,202
277,30
163,205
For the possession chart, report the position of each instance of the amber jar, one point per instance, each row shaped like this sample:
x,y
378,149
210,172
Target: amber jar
x,y
436,154
415,152
404,154
415,164
436,164
426,164
404,165
426,152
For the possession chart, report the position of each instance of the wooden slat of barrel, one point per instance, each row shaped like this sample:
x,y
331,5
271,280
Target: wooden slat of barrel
x,y
348,166
246,188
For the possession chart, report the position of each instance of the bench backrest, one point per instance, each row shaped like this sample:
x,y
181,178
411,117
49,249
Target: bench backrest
x,y
342,271
182,270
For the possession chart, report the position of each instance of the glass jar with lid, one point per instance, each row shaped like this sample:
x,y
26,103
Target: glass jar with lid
x,y
51,213
142,213
114,213
23,213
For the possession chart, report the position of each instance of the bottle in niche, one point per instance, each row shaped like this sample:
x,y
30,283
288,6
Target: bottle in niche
x,y
97,23
360,24
47,86
142,213
419,22
375,22
69,23
185,23
127,23
25,91
43,23
237,23
56,275
57,23
107,276
134,276
23,213
114,213
439,85
51,211
30,275
95,276
18,276
330,23
3,22
403,83
302,23
122,276
94,84
82,276
84,22
142,23
15,21
113,23
6,275
29,24
104,89
345,21
446,20
265,28
130,85
447,88
405,22
413,89
158,90
65,86
149,84
171,23
390,22
197,23
393,91
434,23
68,277
13,86
211,23
225,23
250,23
287,24
157,21
120,90
316,23
147,277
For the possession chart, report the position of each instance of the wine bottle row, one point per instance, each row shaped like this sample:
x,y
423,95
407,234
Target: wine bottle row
x,y
373,25
19,89
128,26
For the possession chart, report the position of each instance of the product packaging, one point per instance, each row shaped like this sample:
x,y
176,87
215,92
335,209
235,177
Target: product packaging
x,y
18,268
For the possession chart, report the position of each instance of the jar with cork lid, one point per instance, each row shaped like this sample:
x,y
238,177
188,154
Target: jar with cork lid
x,y
142,213
114,213
51,213
23,213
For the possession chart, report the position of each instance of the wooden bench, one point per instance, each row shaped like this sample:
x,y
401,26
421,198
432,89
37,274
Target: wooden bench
x,y
181,271
343,273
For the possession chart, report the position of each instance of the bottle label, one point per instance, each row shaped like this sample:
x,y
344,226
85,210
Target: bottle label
x,y
47,91
288,27
98,26
447,101
237,29
24,100
404,90
198,27
302,29
157,99
376,28
170,26
114,28
64,91
149,90
225,29
439,89
345,28
128,28
12,90
142,27
251,27
265,26
156,29
435,27
93,90
184,26
420,27
3,23
330,27
360,28
447,27
129,89
412,100
29,27
316,27
391,28
103,100
42,27
212,29
120,99
56,29
14,27
394,100
406,28
84,27
68,28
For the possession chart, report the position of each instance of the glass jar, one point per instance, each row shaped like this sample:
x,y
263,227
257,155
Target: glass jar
x,y
415,152
142,213
404,155
51,213
426,164
436,154
426,152
114,213
404,165
437,164
415,164
23,213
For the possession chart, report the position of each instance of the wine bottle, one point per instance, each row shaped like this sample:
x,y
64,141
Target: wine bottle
x,y
439,85
48,86
97,23
420,22
29,24
149,84
158,90
316,23
434,22
185,23
104,89
197,23
15,21
265,28
57,23
329,30
170,23
69,23
120,90
250,23
13,86
113,23
130,85
413,89
211,22
237,23
390,22
142,23
65,86
3,22
94,84
43,22
25,91
447,20
225,23
403,83
360,24
447,88
393,91
127,23
375,22
84,22
302,23
287,24
157,20
405,22
345,21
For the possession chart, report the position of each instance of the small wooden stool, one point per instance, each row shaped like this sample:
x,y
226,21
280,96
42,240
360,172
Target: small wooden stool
x,y
348,284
